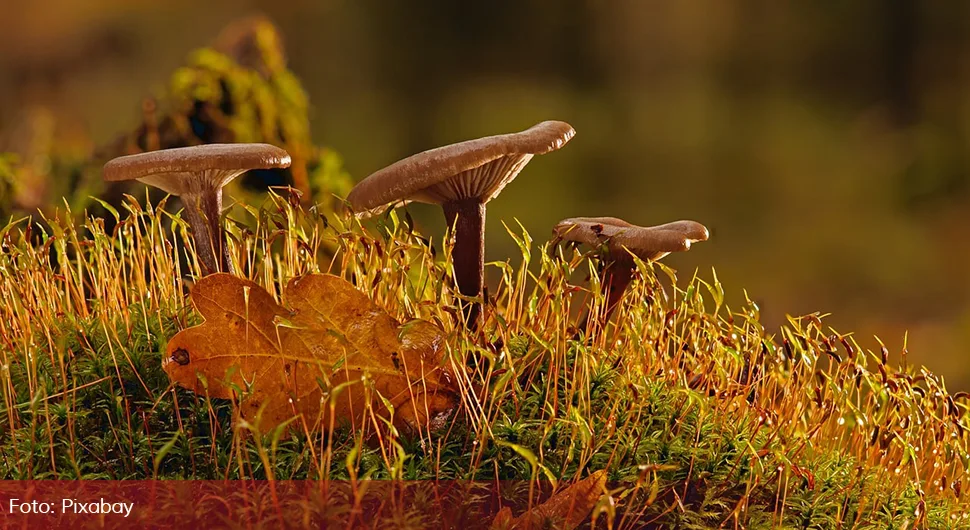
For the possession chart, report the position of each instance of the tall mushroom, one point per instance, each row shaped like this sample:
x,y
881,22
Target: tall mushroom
x,y
462,178
197,175
622,241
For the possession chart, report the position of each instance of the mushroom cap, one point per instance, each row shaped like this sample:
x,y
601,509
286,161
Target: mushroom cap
x,y
188,170
646,242
474,169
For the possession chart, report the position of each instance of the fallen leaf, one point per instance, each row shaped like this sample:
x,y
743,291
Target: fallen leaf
x,y
330,345
503,519
565,510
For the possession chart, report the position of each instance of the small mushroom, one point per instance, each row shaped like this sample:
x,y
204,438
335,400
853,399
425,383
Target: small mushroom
x,y
197,175
622,241
461,178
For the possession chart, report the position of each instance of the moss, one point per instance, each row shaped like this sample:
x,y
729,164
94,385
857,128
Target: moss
x,y
700,415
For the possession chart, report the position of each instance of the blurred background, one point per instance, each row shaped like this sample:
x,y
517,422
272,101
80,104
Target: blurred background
x,y
825,145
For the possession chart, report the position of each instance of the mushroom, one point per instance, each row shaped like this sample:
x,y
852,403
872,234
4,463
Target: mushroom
x,y
462,178
622,241
197,175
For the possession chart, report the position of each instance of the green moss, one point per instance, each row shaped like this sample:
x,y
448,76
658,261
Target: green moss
x,y
700,416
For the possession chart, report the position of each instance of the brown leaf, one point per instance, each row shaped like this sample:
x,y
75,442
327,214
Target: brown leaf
x,y
292,358
565,510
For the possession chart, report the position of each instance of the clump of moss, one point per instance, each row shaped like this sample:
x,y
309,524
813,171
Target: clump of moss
x,y
701,416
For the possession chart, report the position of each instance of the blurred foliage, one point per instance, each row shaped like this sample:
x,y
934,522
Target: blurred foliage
x,y
8,177
238,90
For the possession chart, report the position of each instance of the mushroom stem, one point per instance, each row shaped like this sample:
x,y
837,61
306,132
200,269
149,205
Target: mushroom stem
x,y
467,218
203,213
614,279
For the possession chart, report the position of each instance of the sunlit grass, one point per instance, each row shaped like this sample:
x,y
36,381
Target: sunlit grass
x,y
701,415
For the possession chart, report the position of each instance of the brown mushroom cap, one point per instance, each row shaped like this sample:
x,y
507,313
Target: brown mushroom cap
x,y
177,171
647,243
476,169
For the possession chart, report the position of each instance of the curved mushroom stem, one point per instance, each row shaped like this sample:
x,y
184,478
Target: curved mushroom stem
x,y
210,242
614,279
617,276
467,218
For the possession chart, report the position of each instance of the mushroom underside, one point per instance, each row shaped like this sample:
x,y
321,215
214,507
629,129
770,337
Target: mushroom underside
x,y
184,183
482,183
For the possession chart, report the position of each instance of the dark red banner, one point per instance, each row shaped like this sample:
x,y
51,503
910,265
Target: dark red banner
x,y
259,504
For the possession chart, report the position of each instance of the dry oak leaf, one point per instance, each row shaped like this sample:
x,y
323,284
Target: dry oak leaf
x,y
564,511
292,358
